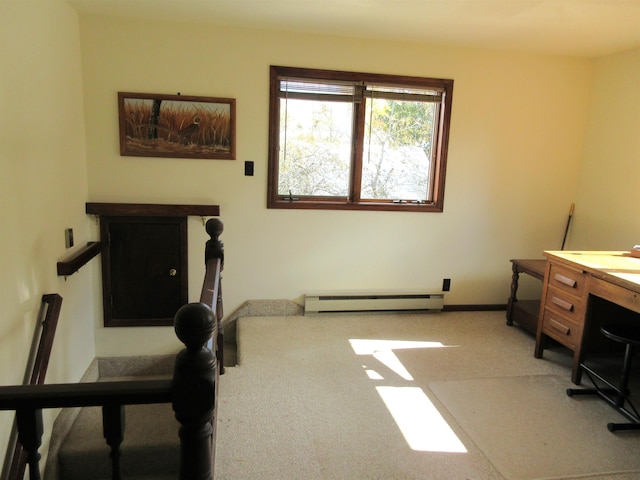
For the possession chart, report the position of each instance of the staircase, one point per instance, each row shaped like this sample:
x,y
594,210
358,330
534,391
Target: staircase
x,y
151,447
149,418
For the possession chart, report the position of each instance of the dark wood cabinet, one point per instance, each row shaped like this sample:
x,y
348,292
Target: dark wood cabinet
x,y
144,264
144,260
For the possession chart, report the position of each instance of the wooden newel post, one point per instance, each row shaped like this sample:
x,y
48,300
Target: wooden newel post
x,y
214,248
194,389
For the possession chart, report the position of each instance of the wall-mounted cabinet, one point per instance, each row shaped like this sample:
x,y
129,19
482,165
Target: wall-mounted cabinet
x,y
144,261
144,269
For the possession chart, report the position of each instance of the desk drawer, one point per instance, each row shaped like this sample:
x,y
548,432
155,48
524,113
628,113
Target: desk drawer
x,y
568,306
560,328
567,279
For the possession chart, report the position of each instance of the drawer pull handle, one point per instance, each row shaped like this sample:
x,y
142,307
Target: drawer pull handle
x,y
569,282
562,304
560,327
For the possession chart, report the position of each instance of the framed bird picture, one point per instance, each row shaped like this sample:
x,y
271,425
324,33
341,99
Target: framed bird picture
x,y
177,126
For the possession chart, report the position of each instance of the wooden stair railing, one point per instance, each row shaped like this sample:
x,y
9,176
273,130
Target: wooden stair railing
x,y
72,264
211,294
192,391
37,363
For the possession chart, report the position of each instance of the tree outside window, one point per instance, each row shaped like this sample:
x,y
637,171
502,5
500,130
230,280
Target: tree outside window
x,y
345,140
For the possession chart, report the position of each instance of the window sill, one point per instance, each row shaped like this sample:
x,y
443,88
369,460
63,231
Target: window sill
x,y
367,206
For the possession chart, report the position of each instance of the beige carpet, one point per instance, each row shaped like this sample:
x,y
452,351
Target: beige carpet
x,y
456,395
530,429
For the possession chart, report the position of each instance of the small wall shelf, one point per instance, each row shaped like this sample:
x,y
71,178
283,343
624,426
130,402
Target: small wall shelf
x,y
80,258
152,210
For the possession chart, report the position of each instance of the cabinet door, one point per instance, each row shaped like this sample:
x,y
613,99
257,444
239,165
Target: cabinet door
x,y
144,269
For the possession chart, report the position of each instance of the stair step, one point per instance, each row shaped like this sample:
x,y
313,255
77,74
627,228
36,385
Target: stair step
x,y
155,477
134,378
150,449
136,365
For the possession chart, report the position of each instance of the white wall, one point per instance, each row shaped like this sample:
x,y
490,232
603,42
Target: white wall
x,y
516,141
43,189
517,144
607,216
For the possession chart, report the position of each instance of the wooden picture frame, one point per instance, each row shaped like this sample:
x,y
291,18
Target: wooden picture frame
x,y
177,126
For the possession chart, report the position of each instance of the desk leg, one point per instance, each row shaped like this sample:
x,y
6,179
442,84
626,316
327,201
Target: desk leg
x,y
512,297
591,324
540,344
541,338
576,371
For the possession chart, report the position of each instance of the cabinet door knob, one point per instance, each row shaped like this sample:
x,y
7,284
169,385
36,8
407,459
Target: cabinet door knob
x,y
173,272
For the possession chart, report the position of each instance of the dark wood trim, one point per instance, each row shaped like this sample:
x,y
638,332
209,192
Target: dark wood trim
x,y
139,322
67,395
79,259
16,458
475,308
211,293
283,203
210,287
49,325
152,210
353,201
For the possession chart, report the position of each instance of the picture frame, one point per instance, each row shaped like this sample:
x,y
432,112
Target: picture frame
x,y
177,126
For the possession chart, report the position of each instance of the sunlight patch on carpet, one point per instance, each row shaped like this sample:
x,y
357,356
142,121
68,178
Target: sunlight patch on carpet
x,y
382,350
367,346
418,419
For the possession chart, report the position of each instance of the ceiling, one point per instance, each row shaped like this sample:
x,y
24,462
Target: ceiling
x,y
586,28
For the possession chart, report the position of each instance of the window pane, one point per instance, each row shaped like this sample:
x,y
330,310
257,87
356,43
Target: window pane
x,y
397,150
357,141
290,86
315,148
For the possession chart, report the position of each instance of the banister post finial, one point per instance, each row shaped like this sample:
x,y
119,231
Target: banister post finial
x,y
194,324
194,390
214,248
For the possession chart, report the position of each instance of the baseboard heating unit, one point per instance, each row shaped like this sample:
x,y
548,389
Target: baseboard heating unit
x,y
372,302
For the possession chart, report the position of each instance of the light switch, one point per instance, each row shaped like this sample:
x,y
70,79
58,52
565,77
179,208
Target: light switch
x,y
68,237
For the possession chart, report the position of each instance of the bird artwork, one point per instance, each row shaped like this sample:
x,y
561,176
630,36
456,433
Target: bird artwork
x,y
187,132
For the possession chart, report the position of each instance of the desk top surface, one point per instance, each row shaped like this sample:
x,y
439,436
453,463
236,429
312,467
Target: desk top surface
x,y
619,268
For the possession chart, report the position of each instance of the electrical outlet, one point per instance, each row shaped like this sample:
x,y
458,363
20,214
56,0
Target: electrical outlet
x,y
68,237
446,284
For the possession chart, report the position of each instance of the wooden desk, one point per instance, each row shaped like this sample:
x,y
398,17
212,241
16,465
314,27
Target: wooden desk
x,y
571,282
524,312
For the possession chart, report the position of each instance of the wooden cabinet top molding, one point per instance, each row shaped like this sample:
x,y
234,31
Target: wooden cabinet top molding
x,y
152,210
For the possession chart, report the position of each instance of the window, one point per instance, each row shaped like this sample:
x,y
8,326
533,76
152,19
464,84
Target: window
x,y
357,141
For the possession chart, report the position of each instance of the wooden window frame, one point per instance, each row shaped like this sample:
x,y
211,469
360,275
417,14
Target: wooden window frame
x,y
353,201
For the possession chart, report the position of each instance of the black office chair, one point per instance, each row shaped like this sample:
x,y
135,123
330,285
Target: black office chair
x,y
615,395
